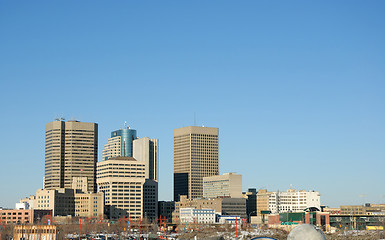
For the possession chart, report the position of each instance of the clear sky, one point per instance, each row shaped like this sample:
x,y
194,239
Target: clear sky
x,y
296,88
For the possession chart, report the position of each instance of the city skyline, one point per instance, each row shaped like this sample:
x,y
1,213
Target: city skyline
x,y
296,89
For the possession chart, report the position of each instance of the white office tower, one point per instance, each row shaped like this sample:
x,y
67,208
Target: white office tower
x,y
146,150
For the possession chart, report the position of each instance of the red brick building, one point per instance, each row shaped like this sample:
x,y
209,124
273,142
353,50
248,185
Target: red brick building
x,y
9,216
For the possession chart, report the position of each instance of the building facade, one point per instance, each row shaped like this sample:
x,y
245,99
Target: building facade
x,y
23,216
89,204
150,199
120,144
251,202
165,210
226,185
35,232
121,179
146,150
294,201
221,206
71,150
60,201
198,216
195,157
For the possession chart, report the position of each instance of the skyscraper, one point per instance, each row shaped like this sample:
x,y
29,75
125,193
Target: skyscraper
x,y
71,150
195,157
120,144
146,150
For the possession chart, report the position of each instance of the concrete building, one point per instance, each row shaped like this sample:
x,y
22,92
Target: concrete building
x,y
221,206
234,207
198,216
251,202
35,232
227,219
29,201
263,201
70,202
89,204
367,209
60,201
150,199
226,185
288,221
24,216
165,210
195,157
120,144
121,179
146,150
294,201
71,150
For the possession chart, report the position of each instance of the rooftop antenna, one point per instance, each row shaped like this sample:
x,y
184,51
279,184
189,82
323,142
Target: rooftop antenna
x,y
125,124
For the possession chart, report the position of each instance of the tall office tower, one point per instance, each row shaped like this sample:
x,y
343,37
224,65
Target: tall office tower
x,y
120,144
121,179
146,150
195,157
71,151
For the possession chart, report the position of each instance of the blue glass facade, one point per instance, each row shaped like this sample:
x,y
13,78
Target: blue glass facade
x,y
128,136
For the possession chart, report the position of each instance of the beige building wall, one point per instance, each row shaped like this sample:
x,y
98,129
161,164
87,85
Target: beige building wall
x,y
146,150
30,201
80,184
35,232
196,156
60,201
89,204
262,201
215,204
71,150
121,180
112,148
226,185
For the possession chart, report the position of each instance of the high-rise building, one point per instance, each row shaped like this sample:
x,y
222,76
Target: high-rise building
x,y
225,185
121,179
120,144
146,150
195,157
71,150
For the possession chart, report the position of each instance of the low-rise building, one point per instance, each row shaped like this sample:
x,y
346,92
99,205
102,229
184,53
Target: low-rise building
x,y
226,185
165,209
221,206
89,204
24,216
290,220
35,232
60,201
199,216
294,201
29,201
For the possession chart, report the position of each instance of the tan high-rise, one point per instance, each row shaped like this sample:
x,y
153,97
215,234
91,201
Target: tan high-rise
x,y
71,150
195,157
121,179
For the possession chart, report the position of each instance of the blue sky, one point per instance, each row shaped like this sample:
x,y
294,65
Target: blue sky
x,y
296,88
